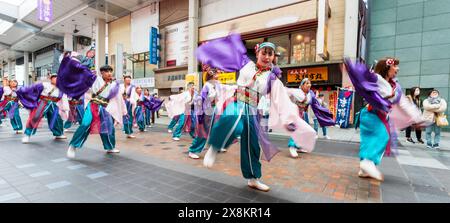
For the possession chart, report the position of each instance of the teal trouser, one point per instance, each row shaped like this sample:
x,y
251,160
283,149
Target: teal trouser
x,y
81,134
140,118
80,112
173,122
16,121
229,126
57,128
374,137
148,116
128,120
197,145
179,127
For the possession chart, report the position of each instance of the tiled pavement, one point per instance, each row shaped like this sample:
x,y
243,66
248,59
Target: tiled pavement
x,y
153,168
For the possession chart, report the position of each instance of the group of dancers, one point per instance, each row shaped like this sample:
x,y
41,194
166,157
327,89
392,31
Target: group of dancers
x,y
220,114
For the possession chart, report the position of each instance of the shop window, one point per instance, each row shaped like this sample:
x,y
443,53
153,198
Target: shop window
x,y
139,69
303,47
282,43
142,67
250,45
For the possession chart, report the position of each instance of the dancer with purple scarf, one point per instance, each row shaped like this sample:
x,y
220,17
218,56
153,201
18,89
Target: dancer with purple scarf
x,y
304,97
240,115
387,111
44,100
9,106
104,103
130,97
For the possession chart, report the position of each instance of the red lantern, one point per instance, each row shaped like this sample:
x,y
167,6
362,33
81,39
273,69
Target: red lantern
x,y
328,88
321,89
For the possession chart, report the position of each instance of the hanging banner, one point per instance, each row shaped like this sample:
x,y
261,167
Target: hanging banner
x,y
345,98
332,98
45,10
153,46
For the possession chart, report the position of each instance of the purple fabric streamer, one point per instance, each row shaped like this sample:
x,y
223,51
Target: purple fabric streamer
x,y
365,83
29,96
55,114
277,71
107,125
157,104
323,115
227,54
1,92
12,110
267,147
74,79
113,91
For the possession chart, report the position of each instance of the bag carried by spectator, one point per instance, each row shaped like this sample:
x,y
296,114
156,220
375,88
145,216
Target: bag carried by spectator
x,y
441,120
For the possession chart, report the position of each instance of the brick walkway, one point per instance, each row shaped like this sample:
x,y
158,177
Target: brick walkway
x,y
326,175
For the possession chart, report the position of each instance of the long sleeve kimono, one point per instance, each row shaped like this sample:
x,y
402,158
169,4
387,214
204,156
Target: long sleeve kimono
x,y
178,107
205,110
9,107
44,100
239,118
388,110
303,101
131,97
103,102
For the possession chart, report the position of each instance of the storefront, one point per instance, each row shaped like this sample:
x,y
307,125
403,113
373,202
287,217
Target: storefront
x,y
308,45
174,31
46,61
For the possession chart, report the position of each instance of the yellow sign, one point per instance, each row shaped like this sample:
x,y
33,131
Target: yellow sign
x,y
312,73
192,78
224,78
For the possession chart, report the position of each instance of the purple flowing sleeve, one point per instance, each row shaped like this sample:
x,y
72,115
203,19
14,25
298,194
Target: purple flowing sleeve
x,y
156,104
365,83
277,71
29,96
227,54
74,79
114,91
323,115
1,92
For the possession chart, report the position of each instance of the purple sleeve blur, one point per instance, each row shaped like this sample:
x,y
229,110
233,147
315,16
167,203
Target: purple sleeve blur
x,y
227,53
365,83
29,96
114,91
74,79
156,104
323,115
1,92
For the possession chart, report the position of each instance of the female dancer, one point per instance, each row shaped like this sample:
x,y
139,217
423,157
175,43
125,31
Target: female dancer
x,y
387,110
10,105
239,118
44,99
304,97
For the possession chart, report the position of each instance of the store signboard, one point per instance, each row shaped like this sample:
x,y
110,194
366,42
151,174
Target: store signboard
x,y
313,74
153,46
344,103
224,78
45,10
148,82
176,39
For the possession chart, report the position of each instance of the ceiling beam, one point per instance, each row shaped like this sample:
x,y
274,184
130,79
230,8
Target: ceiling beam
x,y
9,12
